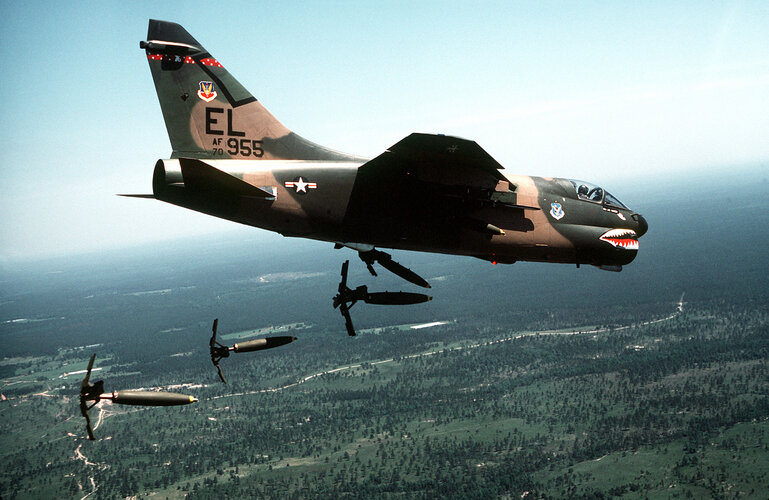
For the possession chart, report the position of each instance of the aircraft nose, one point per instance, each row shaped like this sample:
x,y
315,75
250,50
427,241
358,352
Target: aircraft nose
x,y
643,226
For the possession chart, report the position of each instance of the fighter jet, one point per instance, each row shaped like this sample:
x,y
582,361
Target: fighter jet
x,y
232,159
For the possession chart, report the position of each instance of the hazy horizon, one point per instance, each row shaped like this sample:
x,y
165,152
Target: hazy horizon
x,y
639,192
600,92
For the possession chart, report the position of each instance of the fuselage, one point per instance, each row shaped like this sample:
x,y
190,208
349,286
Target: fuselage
x,y
549,221
428,192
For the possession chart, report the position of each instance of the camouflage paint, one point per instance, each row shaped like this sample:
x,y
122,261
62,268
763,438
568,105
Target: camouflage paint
x,y
233,159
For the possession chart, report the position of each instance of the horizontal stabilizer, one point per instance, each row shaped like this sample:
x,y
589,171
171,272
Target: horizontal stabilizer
x,y
201,176
148,196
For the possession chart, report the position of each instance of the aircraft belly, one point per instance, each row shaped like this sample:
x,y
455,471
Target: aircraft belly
x,y
312,199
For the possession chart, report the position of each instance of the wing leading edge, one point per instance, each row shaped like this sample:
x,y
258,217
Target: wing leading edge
x,y
446,152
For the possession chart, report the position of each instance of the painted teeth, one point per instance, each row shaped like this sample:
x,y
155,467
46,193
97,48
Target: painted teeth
x,y
619,233
621,238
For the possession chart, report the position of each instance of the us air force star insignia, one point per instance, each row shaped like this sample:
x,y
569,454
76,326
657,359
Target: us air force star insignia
x,y
556,210
301,185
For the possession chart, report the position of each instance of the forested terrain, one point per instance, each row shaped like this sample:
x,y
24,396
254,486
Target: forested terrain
x,y
541,381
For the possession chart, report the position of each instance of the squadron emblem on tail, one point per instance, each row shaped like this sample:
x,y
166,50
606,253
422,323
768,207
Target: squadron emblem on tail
x,y
207,92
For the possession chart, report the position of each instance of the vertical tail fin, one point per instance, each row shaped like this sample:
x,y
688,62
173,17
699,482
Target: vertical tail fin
x,y
208,113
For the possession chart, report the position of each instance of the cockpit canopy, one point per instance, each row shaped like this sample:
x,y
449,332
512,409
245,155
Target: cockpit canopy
x,y
590,192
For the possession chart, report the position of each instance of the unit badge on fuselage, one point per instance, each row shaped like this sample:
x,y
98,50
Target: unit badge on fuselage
x,y
556,210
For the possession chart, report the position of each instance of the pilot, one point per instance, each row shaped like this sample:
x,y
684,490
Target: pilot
x,y
596,194
582,191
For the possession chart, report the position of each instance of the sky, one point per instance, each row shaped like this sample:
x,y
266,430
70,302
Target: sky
x,y
603,91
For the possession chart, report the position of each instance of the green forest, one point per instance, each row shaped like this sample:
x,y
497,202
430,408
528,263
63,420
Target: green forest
x,y
534,381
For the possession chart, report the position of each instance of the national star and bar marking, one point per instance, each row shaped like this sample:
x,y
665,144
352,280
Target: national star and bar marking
x,y
301,185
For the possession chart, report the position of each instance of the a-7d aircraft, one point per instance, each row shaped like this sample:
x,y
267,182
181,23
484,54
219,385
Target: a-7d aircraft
x,y
431,193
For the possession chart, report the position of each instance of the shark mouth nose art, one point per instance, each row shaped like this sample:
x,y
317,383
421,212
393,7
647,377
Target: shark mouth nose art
x,y
621,238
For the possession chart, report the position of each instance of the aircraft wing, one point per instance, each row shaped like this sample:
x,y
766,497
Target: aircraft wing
x,y
426,166
199,176
445,153
439,184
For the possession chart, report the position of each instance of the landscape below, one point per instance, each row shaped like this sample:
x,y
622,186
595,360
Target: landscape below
x,y
528,380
